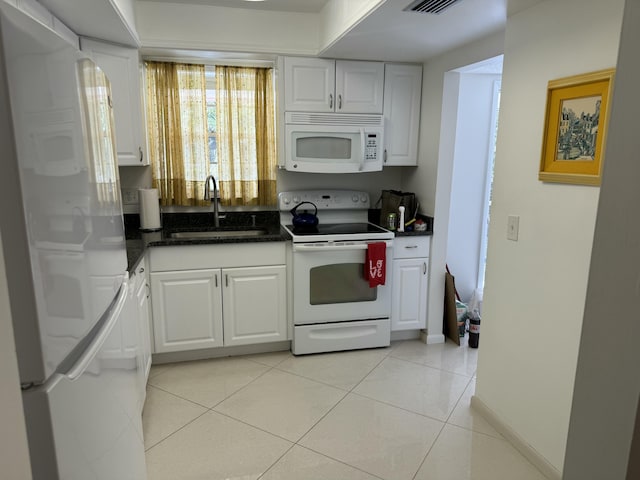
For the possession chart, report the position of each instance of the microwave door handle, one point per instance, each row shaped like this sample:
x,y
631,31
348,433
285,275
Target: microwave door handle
x,y
364,153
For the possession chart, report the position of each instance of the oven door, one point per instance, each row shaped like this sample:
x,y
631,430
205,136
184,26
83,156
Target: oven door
x,y
329,283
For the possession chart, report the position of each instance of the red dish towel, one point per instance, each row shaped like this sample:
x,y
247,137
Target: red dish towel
x,y
375,263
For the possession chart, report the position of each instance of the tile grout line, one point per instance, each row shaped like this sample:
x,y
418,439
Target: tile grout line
x,y
340,461
177,396
432,367
173,433
458,401
277,460
348,390
429,451
399,408
241,388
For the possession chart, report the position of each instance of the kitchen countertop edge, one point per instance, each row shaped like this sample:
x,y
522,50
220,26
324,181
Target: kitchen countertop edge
x,y
138,241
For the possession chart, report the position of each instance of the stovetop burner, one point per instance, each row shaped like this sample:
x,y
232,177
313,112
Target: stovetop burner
x,y
336,229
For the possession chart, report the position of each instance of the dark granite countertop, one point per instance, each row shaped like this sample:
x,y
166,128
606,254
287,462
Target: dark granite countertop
x,y
138,241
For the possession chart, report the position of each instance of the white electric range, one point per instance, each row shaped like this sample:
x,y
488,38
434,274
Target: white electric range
x,y
334,308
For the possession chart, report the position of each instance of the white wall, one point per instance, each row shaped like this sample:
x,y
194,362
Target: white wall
x,y
435,154
473,133
607,383
201,27
14,452
535,288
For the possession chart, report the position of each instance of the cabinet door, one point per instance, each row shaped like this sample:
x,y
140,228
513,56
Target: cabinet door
x,y
409,304
254,305
122,68
144,320
187,310
359,86
309,84
402,94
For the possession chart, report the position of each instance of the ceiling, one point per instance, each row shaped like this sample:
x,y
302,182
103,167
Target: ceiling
x,y
392,34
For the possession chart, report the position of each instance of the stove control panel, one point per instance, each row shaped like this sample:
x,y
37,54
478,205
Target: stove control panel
x,y
325,199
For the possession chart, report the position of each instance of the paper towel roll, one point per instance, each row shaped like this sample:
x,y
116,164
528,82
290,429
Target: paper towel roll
x,y
149,209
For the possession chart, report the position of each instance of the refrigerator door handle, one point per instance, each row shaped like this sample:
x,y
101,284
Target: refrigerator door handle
x,y
94,347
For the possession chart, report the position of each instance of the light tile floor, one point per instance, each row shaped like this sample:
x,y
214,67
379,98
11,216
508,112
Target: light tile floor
x,y
398,413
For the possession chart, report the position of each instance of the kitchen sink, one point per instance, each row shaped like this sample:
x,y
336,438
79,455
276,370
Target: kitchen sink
x,y
213,234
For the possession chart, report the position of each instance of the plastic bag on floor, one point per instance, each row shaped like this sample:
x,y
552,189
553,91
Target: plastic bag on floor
x,y
461,315
475,304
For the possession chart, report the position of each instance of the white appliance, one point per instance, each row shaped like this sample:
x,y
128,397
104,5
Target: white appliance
x,y
333,142
78,347
334,308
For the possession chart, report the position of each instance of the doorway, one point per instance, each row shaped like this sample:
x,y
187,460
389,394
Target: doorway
x,y
478,100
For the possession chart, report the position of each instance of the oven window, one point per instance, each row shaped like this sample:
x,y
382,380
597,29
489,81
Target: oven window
x,y
339,283
330,148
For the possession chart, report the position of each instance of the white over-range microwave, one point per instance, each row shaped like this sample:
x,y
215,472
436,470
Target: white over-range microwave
x,y
333,142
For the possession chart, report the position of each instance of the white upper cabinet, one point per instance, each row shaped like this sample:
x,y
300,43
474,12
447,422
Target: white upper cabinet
x,y
359,86
122,67
320,85
402,96
309,84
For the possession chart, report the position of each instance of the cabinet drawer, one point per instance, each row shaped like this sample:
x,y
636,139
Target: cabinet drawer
x,y
411,247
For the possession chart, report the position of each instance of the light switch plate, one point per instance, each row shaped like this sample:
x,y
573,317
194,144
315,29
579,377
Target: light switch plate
x,y
513,225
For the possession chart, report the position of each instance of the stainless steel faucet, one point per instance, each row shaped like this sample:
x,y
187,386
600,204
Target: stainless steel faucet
x,y
214,198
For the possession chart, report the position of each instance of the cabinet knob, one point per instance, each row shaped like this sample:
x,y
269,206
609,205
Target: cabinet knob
x,y
340,102
424,268
141,270
331,100
140,152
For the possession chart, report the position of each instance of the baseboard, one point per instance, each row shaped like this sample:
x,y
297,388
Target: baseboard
x,y
516,440
436,338
405,335
203,354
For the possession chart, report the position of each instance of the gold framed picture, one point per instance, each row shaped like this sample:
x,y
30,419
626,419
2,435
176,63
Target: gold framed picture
x,y
576,128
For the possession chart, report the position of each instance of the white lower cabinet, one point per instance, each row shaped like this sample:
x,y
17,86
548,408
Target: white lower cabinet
x,y
410,282
214,307
254,305
142,291
187,310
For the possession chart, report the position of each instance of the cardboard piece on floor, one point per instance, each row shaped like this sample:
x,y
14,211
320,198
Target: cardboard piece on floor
x,y
450,314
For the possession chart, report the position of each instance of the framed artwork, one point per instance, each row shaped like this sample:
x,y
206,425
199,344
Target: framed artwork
x,y
575,128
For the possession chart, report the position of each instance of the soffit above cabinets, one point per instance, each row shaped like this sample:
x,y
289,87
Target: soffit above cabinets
x,y
108,20
301,6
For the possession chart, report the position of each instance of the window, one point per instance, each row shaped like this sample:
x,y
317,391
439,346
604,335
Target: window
x,y
216,121
210,75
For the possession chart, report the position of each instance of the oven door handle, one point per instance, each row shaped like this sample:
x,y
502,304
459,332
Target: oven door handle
x,y
327,248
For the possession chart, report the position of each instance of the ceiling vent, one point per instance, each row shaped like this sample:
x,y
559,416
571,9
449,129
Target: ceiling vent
x,y
431,6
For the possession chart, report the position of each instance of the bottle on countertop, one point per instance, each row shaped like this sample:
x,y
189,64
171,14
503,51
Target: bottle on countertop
x,y
391,221
401,221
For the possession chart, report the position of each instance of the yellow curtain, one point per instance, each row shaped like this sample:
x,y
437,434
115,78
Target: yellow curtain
x,y
98,120
246,135
177,130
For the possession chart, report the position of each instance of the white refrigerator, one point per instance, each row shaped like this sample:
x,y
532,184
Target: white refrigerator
x,y
77,345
